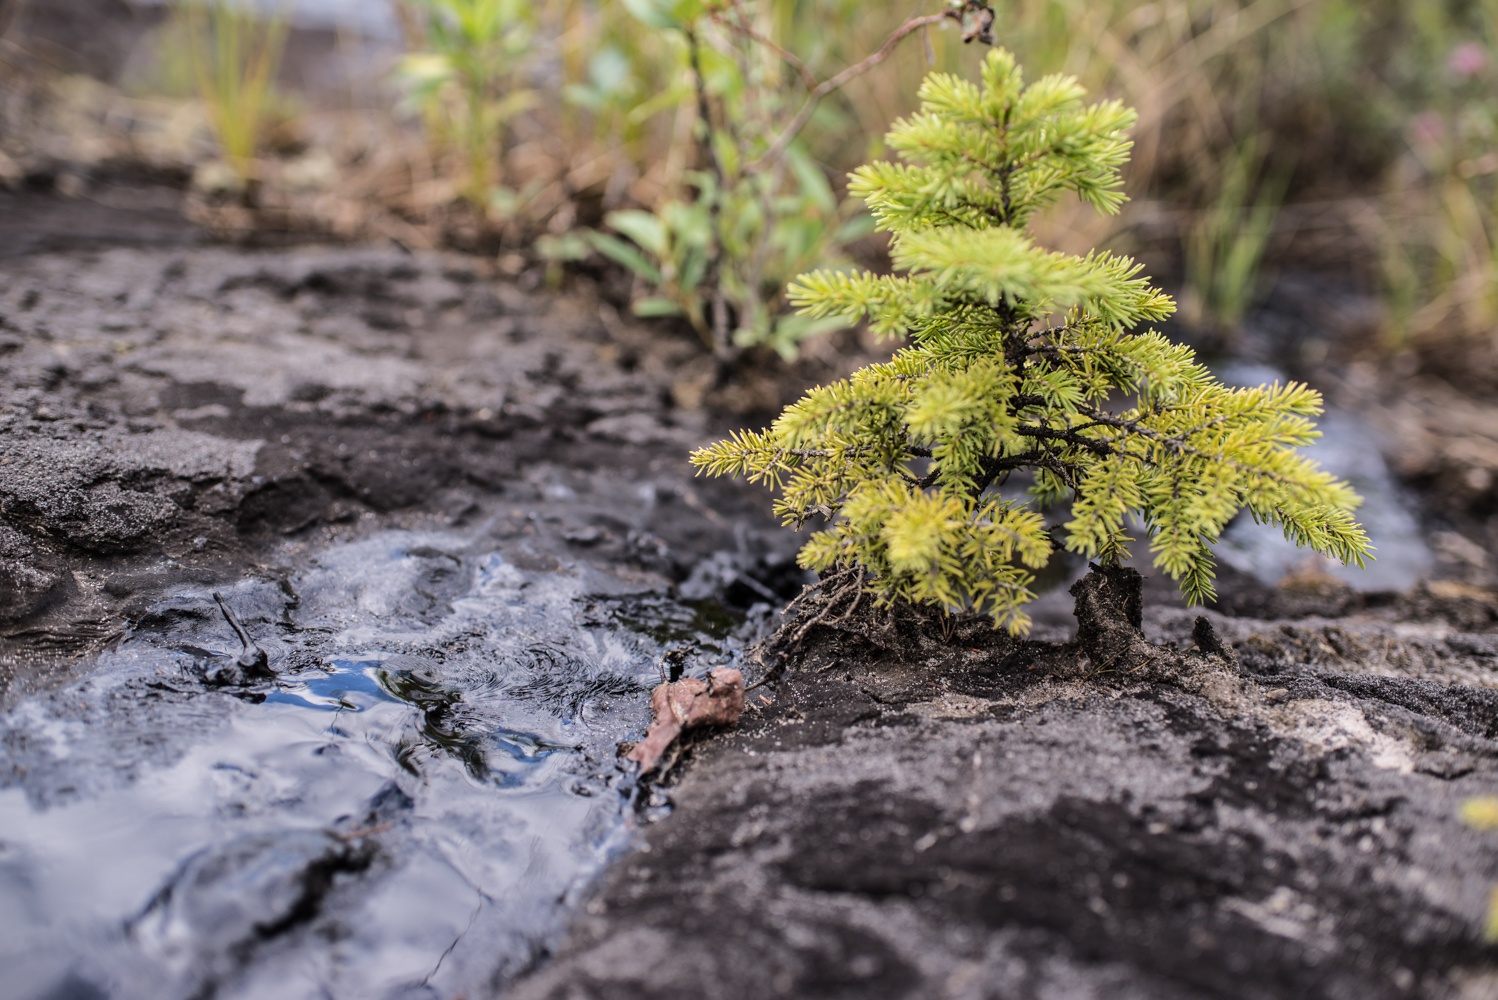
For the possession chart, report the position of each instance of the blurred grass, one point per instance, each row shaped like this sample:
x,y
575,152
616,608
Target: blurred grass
x,y
463,76
1270,131
235,56
1359,139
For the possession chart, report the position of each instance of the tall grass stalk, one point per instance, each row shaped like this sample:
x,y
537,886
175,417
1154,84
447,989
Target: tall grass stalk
x,y
1442,265
235,57
1225,245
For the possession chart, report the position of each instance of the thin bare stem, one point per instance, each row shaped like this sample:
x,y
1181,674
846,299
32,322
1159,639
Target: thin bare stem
x,y
713,280
789,58
778,147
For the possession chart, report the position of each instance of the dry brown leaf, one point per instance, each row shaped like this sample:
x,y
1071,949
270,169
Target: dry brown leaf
x,y
717,700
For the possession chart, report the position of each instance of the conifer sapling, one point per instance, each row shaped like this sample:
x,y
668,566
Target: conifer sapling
x,y
1022,359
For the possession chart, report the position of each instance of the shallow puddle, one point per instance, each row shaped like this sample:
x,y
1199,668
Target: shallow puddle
x,y
1351,451
408,810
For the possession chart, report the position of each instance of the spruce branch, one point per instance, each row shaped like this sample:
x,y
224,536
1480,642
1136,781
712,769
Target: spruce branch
x,y
907,459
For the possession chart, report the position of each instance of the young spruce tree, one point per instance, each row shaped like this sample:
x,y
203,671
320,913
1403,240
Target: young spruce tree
x,y
1022,359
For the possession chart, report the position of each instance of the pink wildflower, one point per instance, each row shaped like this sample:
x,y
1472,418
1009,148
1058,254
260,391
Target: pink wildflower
x,y
1467,61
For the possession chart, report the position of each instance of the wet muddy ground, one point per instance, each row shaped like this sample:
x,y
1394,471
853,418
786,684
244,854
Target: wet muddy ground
x,y
454,509
226,409
457,518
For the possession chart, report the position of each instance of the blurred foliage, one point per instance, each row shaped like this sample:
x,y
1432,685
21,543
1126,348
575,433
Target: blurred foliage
x,y
1250,106
465,80
235,56
1442,194
1261,121
761,208
1225,245
1359,136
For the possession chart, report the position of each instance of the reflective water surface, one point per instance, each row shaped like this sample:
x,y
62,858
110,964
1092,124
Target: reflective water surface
x,y
409,810
1350,450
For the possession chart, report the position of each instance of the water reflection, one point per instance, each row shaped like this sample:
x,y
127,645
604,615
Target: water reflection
x,y
407,810
1350,450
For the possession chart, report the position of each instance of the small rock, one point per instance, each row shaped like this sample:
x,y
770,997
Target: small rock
x,y
1205,637
590,535
32,579
249,666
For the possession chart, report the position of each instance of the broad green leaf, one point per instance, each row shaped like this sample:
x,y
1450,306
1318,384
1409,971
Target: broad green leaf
x,y
655,307
626,254
644,228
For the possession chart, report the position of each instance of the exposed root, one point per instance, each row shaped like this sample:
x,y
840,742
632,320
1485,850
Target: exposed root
x,y
855,587
833,590
835,576
1109,611
837,604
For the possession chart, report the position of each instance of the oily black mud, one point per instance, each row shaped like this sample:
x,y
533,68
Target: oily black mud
x,y
457,519
913,815
396,787
175,416
456,516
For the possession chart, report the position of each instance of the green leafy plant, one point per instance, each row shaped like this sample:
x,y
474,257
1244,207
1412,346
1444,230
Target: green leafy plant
x,y
762,210
741,247
1023,361
468,83
235,56
622,76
